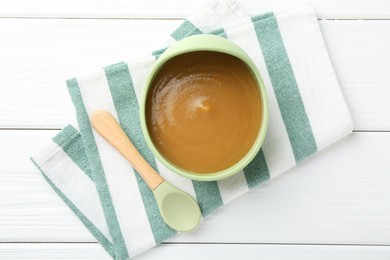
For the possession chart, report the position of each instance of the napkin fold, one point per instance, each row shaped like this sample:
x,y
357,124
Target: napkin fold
x,y
306,107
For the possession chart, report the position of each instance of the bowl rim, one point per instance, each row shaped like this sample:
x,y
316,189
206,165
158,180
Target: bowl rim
x,y
206,42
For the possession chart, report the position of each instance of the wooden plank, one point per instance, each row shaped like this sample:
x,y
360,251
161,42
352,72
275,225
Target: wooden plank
x,y
359,51
37,56
199,251
339,196
52,251
180,9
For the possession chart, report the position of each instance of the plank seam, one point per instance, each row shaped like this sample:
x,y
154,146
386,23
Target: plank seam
x,y
164,18
220,243
58,129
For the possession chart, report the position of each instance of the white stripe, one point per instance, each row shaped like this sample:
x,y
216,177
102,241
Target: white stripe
x,y
215,14
120,177
232,187
139,71
46,152
325,106
176,180
276,148
74,183
168,42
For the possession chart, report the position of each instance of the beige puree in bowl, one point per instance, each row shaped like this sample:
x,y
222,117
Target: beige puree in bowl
x,y
203,111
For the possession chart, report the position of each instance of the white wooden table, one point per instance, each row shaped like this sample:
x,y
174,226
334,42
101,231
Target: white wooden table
x,y
335,205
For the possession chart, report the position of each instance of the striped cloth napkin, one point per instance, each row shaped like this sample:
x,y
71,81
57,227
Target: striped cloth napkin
x,y
307,113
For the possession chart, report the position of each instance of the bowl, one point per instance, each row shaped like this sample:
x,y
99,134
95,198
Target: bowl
x,y
212,43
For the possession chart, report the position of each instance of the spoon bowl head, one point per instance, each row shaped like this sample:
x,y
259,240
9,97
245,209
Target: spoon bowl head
x,y
178,209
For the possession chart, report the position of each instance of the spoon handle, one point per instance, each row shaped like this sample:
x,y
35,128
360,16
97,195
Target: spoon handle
x,y
106,125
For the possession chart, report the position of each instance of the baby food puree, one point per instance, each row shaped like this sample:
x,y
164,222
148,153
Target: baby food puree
x,y
203,111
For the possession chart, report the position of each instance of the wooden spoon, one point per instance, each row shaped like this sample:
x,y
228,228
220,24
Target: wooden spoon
x,y
178,209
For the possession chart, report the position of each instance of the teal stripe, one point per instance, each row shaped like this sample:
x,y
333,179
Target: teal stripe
x,y
184,30
107,245
285,86
69,140
207,195
221,32
97,168
256,171
158,53
126,105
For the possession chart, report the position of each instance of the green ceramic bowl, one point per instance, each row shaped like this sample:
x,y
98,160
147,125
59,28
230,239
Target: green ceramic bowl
x,y
206,42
